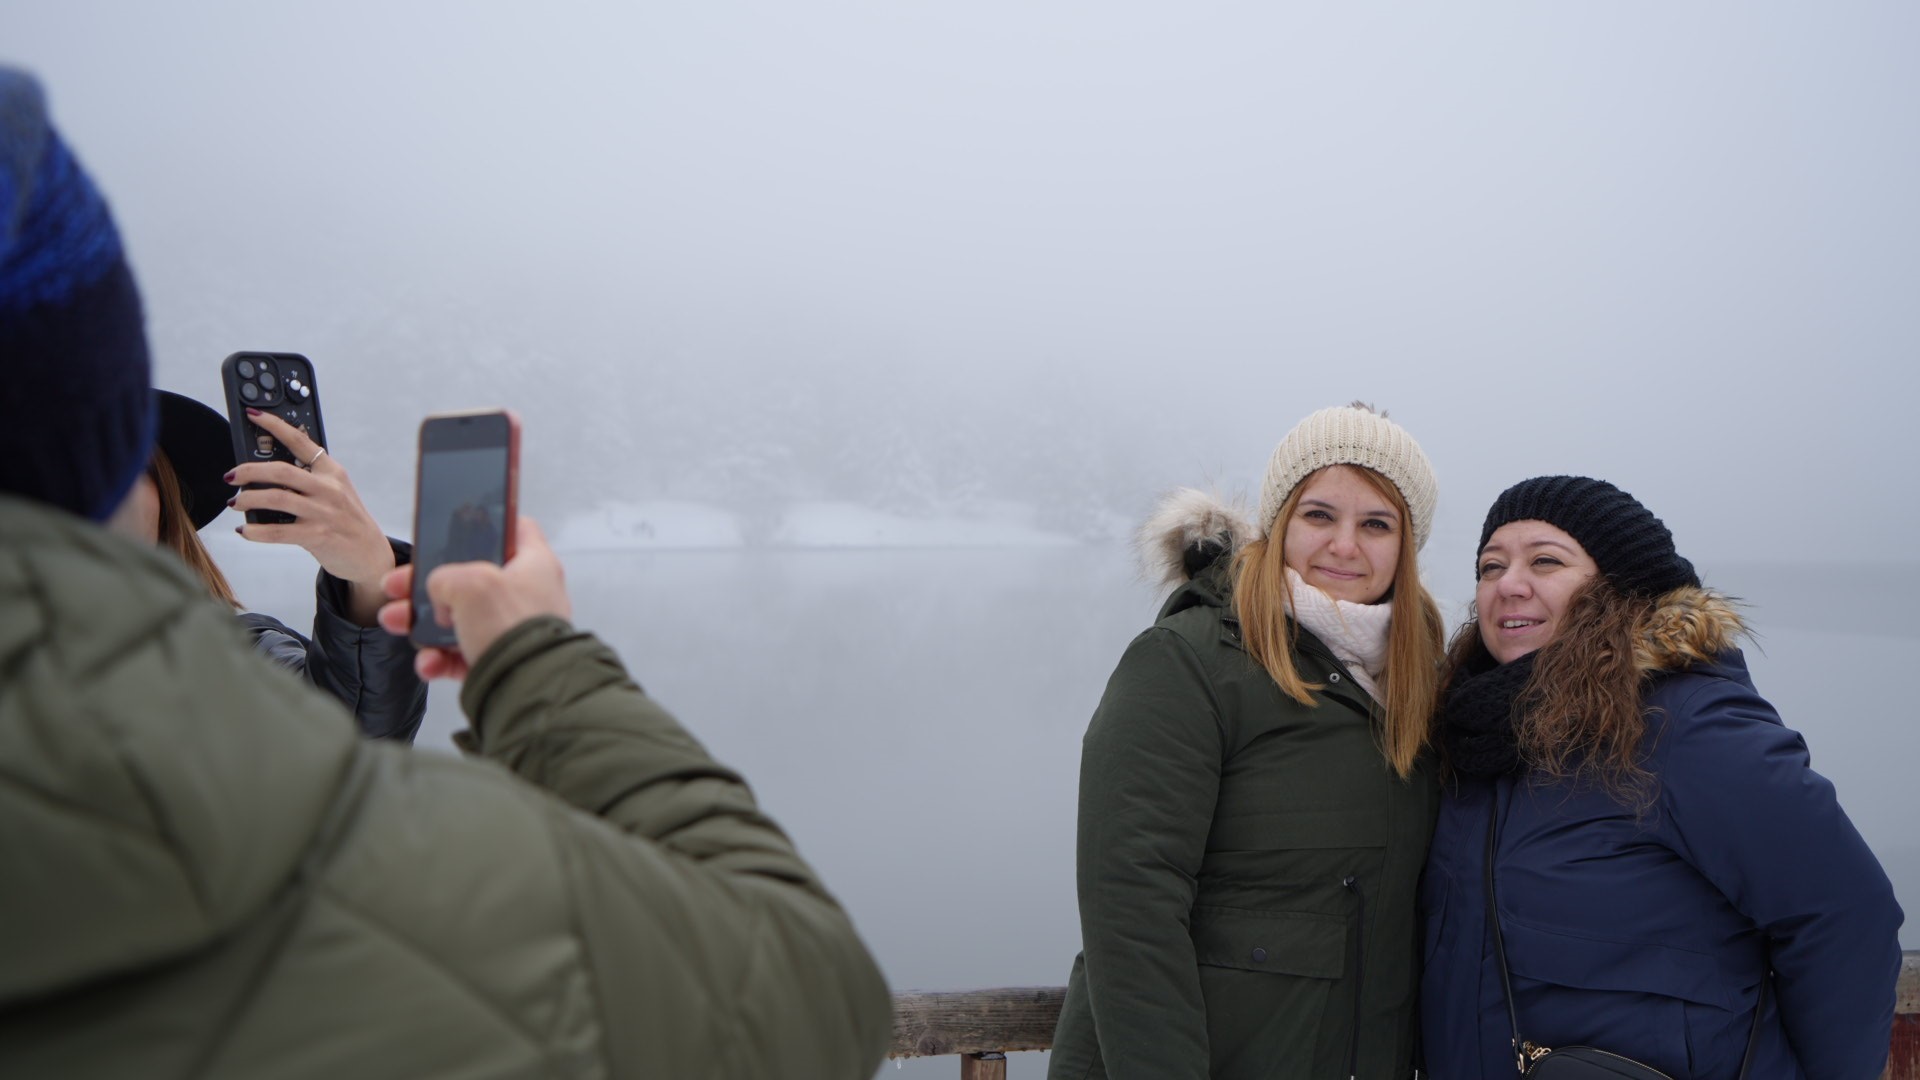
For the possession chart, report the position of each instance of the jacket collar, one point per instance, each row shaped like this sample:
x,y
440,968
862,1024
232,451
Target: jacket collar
x,y
1212,587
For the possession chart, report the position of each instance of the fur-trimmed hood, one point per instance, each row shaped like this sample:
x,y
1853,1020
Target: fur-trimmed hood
x,y
1690,625
1188,532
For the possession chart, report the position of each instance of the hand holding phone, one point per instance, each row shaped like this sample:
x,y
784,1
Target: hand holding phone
x,y
281,385
326,515
465,502
482,601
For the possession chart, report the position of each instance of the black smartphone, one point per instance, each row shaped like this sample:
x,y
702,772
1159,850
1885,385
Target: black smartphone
x,y
466,494
279,383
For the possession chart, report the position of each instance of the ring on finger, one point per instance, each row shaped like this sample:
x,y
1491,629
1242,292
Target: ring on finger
x,y
317,455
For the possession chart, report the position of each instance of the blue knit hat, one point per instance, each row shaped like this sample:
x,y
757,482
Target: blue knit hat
x,y
76,422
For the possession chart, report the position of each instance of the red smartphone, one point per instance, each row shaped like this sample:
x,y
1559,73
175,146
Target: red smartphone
x,y
279,383
466,494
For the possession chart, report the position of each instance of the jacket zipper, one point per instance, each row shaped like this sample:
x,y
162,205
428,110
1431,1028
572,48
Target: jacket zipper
x,y
1352,885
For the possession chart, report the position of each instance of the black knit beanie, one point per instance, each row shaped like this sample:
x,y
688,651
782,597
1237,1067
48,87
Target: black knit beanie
x,y
77,418
1633,548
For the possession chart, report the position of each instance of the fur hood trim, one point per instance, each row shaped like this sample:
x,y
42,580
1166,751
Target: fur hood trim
x,y
1187,532
1688,626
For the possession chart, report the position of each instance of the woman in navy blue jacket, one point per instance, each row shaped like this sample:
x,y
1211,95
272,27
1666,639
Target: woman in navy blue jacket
x,y
1660,843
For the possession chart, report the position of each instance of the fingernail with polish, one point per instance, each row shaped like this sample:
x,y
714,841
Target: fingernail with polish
x,y
233,500
253,412
241,529
228,478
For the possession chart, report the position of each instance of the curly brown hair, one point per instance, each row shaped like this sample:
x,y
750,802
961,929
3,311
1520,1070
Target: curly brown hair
x,y
1580,715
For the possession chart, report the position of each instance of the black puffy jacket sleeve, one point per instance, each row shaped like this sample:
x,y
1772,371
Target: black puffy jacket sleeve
x,y
367,669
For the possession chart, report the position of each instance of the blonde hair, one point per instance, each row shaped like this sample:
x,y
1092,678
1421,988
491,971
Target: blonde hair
x,y
1415,635
177,533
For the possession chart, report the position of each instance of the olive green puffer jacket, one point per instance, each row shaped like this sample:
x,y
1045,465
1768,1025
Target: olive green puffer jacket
x,y
1246,868
205,873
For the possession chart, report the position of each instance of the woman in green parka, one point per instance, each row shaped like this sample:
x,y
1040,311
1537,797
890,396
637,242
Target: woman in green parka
x,y
1255,795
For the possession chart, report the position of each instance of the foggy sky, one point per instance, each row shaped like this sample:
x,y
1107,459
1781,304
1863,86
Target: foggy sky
x,y
1672,246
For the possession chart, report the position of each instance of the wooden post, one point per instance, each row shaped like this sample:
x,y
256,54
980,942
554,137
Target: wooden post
x,y
1903,1063
983,1067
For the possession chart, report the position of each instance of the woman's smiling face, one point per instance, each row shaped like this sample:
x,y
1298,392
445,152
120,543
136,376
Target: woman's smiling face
x,y
1344,536
1528,575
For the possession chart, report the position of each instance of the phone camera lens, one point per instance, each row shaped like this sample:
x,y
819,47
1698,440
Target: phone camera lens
x,y
267,381
249,392
244,369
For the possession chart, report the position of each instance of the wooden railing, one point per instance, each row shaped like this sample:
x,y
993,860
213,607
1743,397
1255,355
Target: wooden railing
x,y
983,1026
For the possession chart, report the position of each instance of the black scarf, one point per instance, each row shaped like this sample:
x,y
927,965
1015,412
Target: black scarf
x,y
1477,715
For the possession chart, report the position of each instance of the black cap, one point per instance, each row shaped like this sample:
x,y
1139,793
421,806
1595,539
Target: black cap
x,y
199,445
1633,548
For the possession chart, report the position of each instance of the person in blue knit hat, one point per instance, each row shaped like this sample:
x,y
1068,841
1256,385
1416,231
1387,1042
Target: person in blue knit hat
x,y
77,420
79,424
207,872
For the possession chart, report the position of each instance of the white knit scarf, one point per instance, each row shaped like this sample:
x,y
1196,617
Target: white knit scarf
x,y
1357,633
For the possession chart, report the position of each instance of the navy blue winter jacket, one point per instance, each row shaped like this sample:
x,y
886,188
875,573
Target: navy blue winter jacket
x,y
1649,935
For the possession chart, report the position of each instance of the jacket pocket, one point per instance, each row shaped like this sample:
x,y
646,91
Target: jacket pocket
x,y
1625,997
1644,967
1268,979
1276,942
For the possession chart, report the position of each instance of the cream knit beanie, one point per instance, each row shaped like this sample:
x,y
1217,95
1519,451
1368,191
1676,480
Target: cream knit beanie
x,y
1352,435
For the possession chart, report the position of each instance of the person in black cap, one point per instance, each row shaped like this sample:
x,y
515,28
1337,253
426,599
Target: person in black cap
x,y
185,487
1672,881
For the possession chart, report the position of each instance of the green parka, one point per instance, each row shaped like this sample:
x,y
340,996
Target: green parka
x,y
1246,866
205,873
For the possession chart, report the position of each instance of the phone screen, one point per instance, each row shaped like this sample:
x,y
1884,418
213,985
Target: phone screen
x,y
463,510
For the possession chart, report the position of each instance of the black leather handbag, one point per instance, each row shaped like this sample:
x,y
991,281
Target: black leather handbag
x,y
1581,1062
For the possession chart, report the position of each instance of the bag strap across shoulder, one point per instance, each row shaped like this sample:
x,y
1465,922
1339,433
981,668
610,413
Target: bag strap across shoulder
x,y
1499,939
1521,1047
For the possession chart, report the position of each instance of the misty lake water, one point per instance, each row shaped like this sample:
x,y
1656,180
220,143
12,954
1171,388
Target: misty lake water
x,y
913,717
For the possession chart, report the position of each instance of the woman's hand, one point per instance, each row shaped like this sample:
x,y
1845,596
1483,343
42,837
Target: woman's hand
x,y
330,520
480,601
